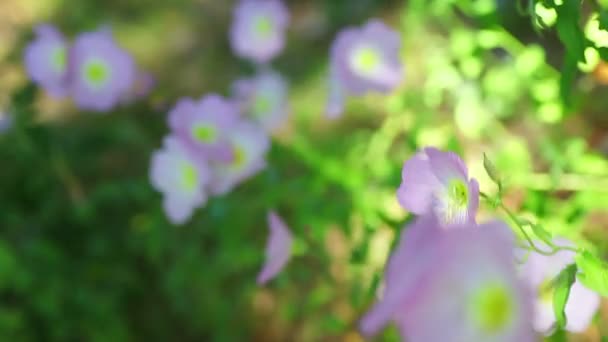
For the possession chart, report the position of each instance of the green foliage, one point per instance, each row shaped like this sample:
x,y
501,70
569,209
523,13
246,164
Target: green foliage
x,y
593,272
562,284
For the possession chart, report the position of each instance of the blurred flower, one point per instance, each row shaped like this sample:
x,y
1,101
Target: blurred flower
x,y
438,182
362,60
144,83
264,98
181,178
46,60
248,143
278,248
456,285
204,125
538,271
100,72
142,86
258,29
337,97
6,122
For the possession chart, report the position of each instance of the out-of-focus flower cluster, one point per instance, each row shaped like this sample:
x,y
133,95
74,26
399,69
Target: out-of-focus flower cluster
x,y
217,142
94,70
449,278
363,60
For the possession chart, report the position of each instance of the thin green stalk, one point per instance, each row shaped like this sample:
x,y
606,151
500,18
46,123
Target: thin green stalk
x,y
554,249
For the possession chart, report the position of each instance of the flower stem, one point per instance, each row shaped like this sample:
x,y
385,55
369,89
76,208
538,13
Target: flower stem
x,y
497,203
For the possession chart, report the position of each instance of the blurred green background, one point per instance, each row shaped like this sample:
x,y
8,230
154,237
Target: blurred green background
x,y
86,253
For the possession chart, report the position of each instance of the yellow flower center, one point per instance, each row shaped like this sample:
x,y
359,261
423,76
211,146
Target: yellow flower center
x,y
545,291
96,72
58,59
365,60
239,157
263,26
493,308
189,177
204,133
261,105
458,193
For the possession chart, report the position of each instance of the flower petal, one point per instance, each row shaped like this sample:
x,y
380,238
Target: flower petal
x,y
418,185
446,165
403,272
473,200
278,249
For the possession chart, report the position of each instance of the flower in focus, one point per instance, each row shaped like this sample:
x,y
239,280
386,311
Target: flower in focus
x,y
438,182
258,29
264,98
362,60
538,271
46,60
248,144
278,248
205,124
454,285
100,72
181,178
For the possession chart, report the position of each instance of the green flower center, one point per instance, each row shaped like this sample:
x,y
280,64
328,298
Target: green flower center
x,y
239,157
365,60
189,177
493,309
458,193
261,105
58,59
96,72
204,133
545,291
263,26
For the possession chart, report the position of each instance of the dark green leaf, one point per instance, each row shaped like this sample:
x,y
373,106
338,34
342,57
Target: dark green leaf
x,y
603,20
572,36
569,29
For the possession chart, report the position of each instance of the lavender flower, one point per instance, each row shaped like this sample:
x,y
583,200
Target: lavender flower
x,y
181,177
456,285
101,72
278,249
263,98
362,60
258,29
46,62
438,182
539,270
205,124
248,143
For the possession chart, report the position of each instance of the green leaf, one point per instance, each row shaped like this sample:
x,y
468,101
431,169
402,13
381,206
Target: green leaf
x,y
593,272
569,30
566,81
572,36
562,284
603,20
492,171
542,233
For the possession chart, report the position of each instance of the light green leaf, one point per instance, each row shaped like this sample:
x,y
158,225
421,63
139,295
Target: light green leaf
x,y
492,171
593,272
562,284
